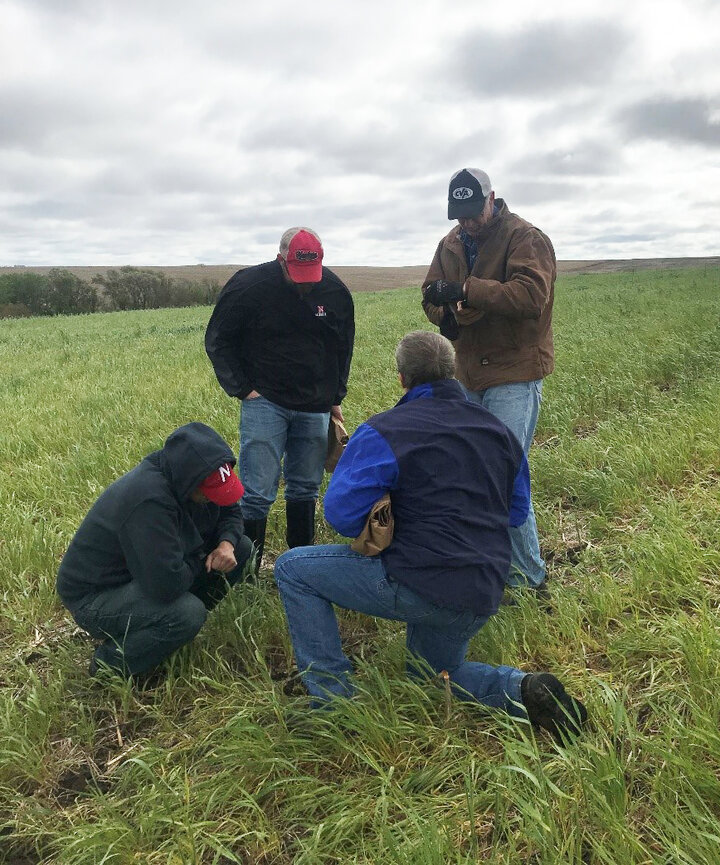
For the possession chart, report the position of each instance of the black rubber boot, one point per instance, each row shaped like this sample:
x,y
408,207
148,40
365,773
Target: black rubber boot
x,y
255,530
300,518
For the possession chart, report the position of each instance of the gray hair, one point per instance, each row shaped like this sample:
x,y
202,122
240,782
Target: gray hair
x,y
288,236
423,356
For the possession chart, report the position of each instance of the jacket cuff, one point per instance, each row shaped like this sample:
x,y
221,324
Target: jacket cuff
x,y
434,314
231,537
474,293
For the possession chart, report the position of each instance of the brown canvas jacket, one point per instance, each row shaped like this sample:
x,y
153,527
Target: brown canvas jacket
x,y
506,327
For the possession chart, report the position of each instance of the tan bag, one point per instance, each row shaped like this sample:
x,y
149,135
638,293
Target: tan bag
x,y
378,531
337,439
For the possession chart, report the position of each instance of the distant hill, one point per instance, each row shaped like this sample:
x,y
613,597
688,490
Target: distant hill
x,y
379,278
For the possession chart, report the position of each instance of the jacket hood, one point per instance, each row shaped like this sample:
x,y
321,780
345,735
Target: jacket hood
x,y
191,453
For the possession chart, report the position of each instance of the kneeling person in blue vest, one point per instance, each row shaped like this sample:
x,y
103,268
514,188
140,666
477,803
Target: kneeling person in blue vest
x,y
458,480
156,551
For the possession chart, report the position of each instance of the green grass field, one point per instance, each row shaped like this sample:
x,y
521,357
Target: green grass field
x,y
203,768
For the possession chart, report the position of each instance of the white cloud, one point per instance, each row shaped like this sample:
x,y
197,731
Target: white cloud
x,y
165,133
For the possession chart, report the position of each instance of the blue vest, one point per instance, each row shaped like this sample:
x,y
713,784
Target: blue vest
x,y
457,479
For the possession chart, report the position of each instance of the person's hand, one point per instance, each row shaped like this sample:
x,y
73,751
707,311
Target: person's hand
x,y
252,395
222,558
336,411
441,291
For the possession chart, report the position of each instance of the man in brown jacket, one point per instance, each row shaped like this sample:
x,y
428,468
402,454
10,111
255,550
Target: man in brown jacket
x,y
490,290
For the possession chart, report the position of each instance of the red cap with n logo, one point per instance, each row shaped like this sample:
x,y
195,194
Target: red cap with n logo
x,y
304,257
223,486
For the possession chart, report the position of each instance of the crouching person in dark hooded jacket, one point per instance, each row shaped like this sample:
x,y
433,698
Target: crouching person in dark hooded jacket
x,y
156,551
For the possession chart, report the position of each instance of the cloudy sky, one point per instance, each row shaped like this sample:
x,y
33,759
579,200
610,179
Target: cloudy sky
x,y
158,132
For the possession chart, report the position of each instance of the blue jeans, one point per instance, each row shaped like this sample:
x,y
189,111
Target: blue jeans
x,y
268,433
517,405
139,632
312,579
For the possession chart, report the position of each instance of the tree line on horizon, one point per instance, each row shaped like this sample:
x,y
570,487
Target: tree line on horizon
x,y
61,292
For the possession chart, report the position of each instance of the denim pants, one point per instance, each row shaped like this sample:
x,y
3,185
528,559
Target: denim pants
x,y
268,433
139,632
517,405
311,579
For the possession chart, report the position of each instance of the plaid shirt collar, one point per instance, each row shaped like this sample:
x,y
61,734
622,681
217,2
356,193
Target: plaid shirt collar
x,y
469,245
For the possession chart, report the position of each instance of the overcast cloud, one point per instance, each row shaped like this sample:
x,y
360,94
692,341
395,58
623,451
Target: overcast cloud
x,y
187,132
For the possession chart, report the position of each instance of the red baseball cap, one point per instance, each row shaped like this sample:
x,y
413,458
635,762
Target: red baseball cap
x,y
304,257
223,486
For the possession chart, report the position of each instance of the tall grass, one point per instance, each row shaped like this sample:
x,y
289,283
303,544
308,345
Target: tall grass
x,y
206,767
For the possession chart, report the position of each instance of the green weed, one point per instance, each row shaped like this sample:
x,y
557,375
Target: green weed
x,y
206,767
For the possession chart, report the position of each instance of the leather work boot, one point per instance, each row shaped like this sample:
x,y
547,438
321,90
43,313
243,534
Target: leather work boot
x,y
255,530
549,706
300,517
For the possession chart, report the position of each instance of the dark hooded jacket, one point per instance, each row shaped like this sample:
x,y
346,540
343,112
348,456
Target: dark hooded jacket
x,y
144,527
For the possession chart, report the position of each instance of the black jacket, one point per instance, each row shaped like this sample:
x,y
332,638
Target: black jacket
x,y
145,528
293,349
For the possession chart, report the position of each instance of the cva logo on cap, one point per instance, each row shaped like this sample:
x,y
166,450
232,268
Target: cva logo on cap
x,y
462,192
305,255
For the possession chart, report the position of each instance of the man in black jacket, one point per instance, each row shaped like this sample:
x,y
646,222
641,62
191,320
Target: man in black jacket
x,y
156,551
280,340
